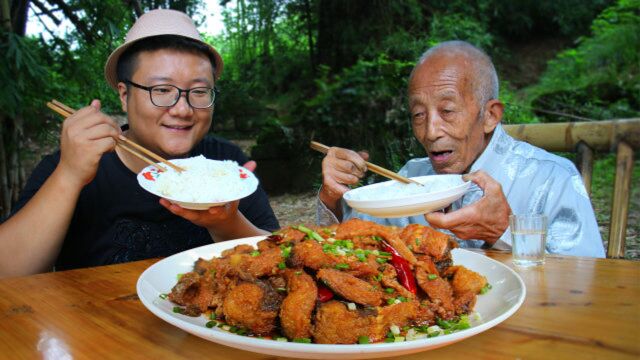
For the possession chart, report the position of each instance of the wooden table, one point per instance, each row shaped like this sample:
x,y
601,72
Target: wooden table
x,y
575,308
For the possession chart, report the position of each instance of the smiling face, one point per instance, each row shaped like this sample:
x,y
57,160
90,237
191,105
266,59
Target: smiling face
x,y
169,131
446,118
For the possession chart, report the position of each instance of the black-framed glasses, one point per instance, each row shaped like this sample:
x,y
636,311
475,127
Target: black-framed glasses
x,y
166,95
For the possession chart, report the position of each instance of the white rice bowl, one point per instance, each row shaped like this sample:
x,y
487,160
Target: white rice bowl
x,y
205,181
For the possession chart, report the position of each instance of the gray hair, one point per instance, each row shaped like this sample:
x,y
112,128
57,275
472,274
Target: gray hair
x,y
486,86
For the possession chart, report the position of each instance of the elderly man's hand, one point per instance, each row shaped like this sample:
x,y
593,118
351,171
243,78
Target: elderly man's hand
x,y
340,167
487,219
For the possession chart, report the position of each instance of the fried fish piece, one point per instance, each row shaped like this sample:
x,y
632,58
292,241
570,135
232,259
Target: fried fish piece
x,y
356,227
334,323
309,254
436,288
253,306
426,240
464,280
297,307
193,291
350,287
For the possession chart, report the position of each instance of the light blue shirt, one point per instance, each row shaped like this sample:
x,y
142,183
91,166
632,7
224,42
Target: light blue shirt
x,y
533,180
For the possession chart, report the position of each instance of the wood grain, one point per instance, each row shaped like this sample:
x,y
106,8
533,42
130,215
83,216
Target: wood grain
x,y
574,307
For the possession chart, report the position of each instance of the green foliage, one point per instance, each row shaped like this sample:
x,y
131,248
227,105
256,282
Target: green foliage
x,y
600,78
22,73
457,26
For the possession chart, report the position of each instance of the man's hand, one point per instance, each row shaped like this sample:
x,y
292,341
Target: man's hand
x,y
222,221
487,219
86,136
340,167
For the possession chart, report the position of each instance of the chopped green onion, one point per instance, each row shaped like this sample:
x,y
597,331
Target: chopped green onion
x,y
234,329
378,277
391,301
384,253
212,316
377,238
286,251
389,290
298,272
402,299
342,266
417,241
432,276
302,340
282,266
211,324
163,296
281,289
282,339
381,260
389,340
241,332
178,276
255,253
399,339
485,289
178,310
363,340
351,306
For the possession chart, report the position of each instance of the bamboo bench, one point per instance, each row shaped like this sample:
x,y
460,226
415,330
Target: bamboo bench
x,y
621,136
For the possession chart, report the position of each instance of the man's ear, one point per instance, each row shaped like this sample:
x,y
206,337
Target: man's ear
x,y
493,111
122,92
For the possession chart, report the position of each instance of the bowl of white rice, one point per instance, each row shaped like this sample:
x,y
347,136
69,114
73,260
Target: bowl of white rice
x,y
204,184
392,199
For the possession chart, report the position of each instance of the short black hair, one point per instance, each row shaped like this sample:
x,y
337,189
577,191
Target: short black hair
x,y
128,60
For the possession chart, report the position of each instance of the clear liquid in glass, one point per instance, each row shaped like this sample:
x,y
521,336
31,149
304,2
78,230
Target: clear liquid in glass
x,y
528,247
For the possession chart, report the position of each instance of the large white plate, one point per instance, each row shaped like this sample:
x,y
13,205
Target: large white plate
x,y
147,179
498,304
448,188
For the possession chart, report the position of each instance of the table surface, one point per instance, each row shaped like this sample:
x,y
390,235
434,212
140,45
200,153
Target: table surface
x,y
574,307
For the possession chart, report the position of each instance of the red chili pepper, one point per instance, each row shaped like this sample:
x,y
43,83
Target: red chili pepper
x,y
324,294
405,275
147,175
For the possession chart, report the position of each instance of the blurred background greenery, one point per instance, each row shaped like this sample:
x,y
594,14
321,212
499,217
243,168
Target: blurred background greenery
x,y
331,70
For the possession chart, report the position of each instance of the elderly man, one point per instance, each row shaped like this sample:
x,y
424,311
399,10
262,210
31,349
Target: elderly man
x,y
456,114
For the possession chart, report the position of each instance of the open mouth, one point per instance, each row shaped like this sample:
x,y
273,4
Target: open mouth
x,y
178,128
440,156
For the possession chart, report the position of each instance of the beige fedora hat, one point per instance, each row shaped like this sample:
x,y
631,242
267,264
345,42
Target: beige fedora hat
x,y
155,23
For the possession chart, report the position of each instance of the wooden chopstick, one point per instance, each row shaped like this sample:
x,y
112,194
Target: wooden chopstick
x,y
124,143
373,167
151,154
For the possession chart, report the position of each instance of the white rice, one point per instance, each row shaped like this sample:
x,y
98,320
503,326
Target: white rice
x,y
204,181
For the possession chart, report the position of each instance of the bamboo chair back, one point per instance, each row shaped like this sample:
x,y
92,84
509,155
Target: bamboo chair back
x,y
621,136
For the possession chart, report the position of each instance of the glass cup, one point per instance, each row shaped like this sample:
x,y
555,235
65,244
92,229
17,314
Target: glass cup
x,y
528,239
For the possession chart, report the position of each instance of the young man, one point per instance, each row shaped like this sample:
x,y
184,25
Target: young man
x,y
83,207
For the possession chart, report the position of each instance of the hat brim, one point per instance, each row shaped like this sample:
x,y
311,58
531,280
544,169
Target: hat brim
x,y
111,66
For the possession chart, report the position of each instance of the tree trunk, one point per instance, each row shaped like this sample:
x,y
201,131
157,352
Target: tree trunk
x,y
5,195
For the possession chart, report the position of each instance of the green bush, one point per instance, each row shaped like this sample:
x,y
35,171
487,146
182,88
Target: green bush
x,y
600,78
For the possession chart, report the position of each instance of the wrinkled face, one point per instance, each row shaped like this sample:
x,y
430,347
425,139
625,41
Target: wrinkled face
x,y
169,131
446,118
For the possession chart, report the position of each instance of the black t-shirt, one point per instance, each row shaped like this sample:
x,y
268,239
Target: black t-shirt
x,y
116,220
